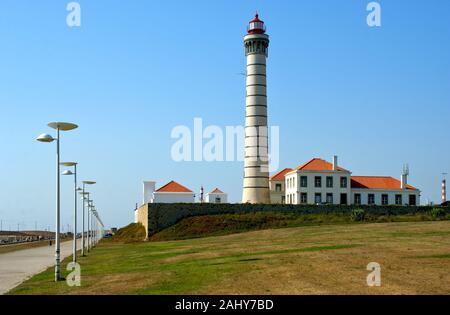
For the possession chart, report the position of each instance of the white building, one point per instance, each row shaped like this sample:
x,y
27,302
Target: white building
x,y
217,196
172,192
322,182
278,187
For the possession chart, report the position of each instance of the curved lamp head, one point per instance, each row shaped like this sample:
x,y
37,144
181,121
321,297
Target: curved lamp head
x,y
68,164
67,172
88,182
62,126
45,138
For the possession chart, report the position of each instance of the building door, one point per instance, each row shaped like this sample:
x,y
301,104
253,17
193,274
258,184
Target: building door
x,y
412,200
343,199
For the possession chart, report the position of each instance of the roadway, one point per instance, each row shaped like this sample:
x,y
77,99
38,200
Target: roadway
x,y
18,266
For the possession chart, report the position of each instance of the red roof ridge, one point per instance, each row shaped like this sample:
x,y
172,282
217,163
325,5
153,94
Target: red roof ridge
x,y
280,175
304,165
173,186
387,183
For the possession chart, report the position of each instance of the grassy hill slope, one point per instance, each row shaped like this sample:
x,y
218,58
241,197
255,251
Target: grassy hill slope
x,y
223,224
330,259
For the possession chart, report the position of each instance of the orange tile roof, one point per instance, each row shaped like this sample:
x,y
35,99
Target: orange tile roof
x,y
280,175
216,191
317,164
173,186
377,182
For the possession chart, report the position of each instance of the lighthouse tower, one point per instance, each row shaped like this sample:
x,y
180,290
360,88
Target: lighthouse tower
x,y
256,169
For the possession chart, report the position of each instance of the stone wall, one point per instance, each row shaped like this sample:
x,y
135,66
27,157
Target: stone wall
x,y
142,216
158,216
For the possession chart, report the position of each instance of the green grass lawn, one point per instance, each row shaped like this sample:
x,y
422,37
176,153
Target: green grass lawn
x,y
328,259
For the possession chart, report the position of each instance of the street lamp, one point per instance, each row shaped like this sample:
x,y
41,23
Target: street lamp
x,y
68,173
95,219
58,126
84,193
90,205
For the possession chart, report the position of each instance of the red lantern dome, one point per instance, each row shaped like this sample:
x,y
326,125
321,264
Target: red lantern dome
x,y
256,26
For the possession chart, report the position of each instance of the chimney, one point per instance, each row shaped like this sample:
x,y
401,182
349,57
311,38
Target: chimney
x,y
335,162
404,180
148,190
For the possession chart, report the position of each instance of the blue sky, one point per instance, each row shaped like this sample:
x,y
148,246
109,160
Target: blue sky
x,y
377,97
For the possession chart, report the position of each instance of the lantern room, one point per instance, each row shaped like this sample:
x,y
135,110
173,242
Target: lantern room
x,y
256,26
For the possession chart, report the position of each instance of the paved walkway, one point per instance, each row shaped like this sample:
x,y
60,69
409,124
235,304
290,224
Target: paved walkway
x,y
18,266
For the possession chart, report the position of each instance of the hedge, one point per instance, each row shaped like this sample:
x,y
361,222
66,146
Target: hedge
x,y
163,215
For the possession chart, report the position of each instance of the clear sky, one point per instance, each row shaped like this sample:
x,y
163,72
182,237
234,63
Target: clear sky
x,y
377,97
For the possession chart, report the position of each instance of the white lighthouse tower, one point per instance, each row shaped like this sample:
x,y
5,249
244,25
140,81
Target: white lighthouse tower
x,y
256,169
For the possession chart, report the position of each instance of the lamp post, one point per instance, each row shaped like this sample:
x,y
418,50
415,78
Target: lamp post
x,y
88,225
68,172
58,126
84,193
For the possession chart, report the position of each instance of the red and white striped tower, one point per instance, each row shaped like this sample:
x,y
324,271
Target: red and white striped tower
x,y
444,191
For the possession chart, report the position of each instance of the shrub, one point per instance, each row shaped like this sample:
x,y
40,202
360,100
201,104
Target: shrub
x,y
438,213
357,215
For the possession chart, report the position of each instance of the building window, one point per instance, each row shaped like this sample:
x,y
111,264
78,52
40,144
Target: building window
x,y
303,198
343,199
218,200
357,199
318,182
371,199
412,200
330,198
303,181
384,199
318,198
398,200
277,187
283,199
329,181
343,182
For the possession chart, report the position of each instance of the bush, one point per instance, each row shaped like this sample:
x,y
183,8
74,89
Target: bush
x,y
357,215
438,213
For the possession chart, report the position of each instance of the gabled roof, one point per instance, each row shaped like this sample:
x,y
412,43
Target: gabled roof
x,y
280,175
317,164
173,186
217,191
377,182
